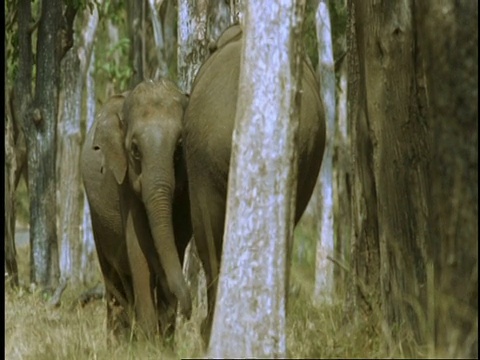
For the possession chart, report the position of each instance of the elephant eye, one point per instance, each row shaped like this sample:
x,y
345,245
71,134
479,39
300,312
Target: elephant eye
x,y
135,151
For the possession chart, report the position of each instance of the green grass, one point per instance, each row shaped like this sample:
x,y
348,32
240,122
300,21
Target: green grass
x,y
35,331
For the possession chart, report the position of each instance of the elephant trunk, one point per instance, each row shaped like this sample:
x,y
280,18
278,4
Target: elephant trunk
x,y
158,197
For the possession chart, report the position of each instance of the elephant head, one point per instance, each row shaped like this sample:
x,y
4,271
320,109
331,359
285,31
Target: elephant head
x,y
149,156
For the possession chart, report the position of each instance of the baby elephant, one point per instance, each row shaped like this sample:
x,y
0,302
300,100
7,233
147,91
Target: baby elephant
x,y
135,180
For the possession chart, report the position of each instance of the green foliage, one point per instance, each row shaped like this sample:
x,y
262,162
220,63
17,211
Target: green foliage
x,y
118,74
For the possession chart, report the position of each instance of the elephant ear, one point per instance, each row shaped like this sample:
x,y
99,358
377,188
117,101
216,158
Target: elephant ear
x,y
109,138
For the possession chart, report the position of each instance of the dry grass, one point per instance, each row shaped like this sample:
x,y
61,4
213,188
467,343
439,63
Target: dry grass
x,y
35,331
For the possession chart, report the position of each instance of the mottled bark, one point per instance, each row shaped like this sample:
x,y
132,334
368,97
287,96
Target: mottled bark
x,y
192,40
39,115
237,11
218,19
192,51
448,44
249,318
323,290
73,73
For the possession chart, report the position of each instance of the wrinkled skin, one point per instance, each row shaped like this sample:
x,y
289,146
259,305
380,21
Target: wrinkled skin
x,y
208,127
135,181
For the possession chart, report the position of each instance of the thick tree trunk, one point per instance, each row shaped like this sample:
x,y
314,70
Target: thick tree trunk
x,y
249,318
74,68
389,145
323,290
451,75
364,298
218,19
40,132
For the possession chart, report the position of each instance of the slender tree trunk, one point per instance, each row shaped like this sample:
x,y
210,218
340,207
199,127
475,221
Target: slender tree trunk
x,y
250,310
237,11
136,25
451,80
74,68
169,31
10,208
325,243
341,187
162,68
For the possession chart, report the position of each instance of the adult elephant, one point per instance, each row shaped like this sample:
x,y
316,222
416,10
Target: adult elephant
x,y
136,186
207,135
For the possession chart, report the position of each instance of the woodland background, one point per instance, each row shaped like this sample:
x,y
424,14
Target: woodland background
x,y
403,251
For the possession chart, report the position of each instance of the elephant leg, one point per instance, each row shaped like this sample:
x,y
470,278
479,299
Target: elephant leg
x,y
208,217
118,319
136,230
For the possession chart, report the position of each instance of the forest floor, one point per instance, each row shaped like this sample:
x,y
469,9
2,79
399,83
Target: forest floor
x,y
34,330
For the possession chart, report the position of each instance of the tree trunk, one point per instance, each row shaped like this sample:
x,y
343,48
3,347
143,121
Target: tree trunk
x,y
136,26
237,11
192,40
218,19
39,127
74,68
192,51
162,67
389,147
448,43
11,168
89,263
323,290
249,318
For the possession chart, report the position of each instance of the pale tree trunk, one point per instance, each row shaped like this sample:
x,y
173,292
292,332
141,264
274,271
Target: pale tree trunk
x,y
390,150
237,11
249,319
162,68
113,39
74,68
192,40
169,30
323,290
218,19
192,51
451,80
89,265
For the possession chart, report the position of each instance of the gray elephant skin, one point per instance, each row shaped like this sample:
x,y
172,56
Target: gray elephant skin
x,y
207,136
135,180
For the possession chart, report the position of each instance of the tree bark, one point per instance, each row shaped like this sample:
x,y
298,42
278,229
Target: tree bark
x,y
249,318
73,73
323,290
451,80
218,19
136,26
390,148
192,40
39,125
162,67
192,51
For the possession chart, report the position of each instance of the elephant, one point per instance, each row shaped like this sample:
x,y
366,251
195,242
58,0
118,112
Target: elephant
x,y
208,125
135,181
